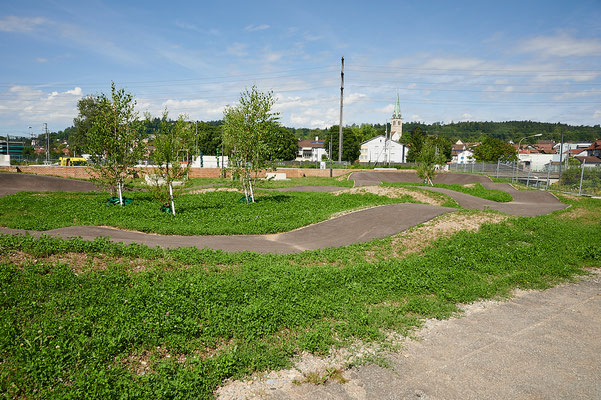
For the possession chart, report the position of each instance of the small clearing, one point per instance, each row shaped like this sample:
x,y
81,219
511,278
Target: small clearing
x,y
392,192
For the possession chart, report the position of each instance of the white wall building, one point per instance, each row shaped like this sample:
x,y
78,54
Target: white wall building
x,y
210,162
382,150
311,150
537,161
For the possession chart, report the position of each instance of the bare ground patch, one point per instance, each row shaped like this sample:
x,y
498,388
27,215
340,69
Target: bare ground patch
x,y
392,192
583,215
417,239
78,262
213,189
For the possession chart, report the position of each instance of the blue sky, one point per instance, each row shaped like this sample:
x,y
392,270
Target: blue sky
x,y
448,61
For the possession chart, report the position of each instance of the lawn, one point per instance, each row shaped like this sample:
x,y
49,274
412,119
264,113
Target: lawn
x,y
102,320
215,213
341,181
474,189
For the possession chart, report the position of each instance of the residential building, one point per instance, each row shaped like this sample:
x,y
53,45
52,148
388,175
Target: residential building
x,y
311,150
461,153
591,155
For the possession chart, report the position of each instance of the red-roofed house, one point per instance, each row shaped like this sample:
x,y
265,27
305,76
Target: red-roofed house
x,y
311,150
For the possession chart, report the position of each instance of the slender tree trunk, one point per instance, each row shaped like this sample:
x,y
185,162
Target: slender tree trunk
x,y
120,193
250,185
171,198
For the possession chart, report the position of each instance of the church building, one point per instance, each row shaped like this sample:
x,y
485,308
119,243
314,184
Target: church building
x,y
386,149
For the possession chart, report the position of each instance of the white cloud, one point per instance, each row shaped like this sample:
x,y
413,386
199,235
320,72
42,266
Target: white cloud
x,y
452,63
562,45
273,57
578,94
30,105
41,60
237,49
20,24
255,28
597,114
354,97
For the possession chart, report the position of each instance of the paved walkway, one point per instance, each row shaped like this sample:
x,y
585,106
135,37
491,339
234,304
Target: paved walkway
x,y
538,345
355,227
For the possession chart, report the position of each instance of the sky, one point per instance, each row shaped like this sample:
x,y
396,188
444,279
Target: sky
x,y
446,61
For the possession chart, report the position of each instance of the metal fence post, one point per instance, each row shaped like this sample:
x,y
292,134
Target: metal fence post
x,y
548,175
528,180
498,164
581,176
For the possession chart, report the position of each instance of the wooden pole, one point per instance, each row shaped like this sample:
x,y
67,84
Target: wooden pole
x,y
341,102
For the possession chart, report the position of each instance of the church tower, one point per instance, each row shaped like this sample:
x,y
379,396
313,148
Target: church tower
x,y
396,124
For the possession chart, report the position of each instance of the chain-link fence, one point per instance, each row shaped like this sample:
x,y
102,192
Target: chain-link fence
x,y
576,179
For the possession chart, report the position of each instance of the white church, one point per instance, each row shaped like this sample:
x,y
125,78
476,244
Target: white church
x,y
386,149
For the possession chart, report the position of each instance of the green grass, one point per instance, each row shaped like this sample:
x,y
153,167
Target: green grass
x,y
476,189
216,213
82,330
306,181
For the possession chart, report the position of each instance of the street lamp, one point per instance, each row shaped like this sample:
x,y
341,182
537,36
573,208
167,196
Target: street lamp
x,y
519,144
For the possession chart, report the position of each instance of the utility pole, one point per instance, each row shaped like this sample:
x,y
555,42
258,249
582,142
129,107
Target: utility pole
x,y
331,161
341,97
47,143
560,160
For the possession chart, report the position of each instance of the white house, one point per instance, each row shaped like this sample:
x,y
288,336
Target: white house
x,y
382,150
311,150
461,153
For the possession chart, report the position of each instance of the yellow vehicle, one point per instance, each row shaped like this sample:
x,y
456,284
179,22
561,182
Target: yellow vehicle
x,y
72,161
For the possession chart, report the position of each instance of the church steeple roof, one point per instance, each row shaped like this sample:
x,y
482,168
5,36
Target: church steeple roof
x,y
397,109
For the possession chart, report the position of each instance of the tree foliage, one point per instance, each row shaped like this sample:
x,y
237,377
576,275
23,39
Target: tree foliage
x,y
247,130
415,140
113,140
88,110
492,149
351,144
281,143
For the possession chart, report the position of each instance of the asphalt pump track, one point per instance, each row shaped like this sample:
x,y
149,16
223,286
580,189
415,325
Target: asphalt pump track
x,y
355,227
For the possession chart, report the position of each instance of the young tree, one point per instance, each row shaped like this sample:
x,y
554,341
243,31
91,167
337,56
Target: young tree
x,y
170,142
114,141
246,132
428,159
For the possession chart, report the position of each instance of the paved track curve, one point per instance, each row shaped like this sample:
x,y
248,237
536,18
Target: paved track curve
x,y
355,227
12,183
